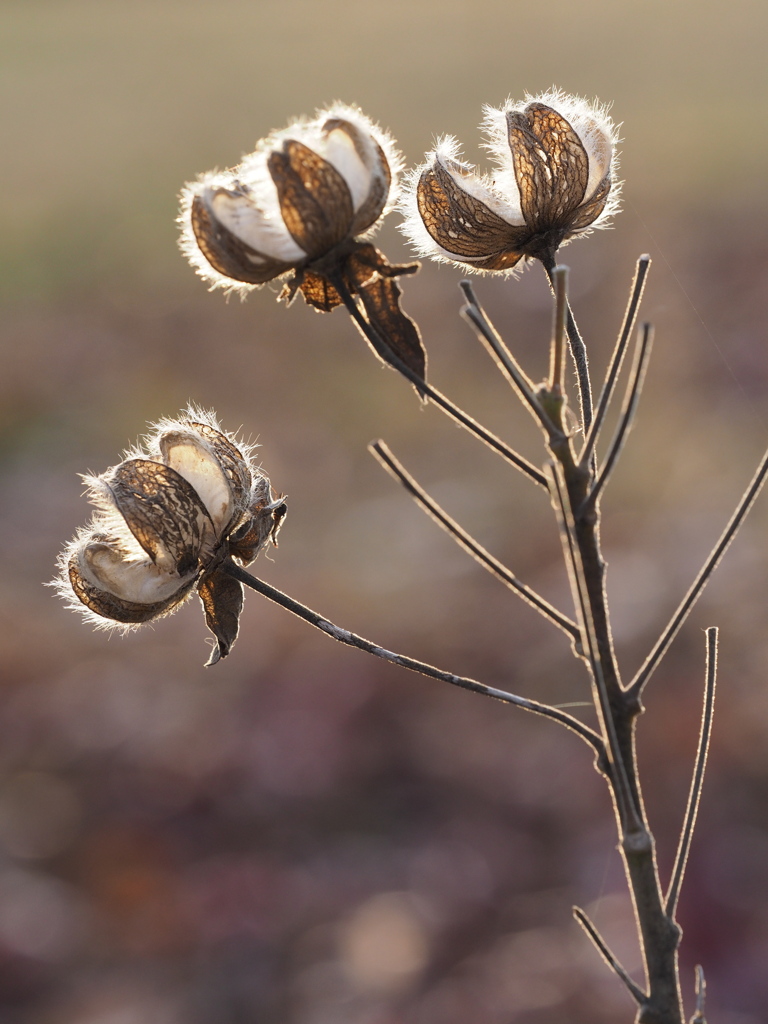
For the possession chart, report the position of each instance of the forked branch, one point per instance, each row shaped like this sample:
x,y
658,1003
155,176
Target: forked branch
x,y
628,410
638,284
478,552
380,345
635,688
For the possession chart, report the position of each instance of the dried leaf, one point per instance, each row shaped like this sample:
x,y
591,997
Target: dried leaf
x,y
367,257
398,333
222,599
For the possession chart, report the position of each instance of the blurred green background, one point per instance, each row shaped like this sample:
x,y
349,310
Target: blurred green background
x,y
299,836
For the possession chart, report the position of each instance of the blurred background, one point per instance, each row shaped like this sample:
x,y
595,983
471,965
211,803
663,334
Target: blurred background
x,y
303,835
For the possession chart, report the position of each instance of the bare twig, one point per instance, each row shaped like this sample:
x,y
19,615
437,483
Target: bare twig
x,y
638,284
628,409
698,776
634,990
380,450
579,354
490,336
353,640
557,362
379,345
635,688
701,997
505,361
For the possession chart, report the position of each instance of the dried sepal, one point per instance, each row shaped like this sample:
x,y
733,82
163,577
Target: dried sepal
x,y
551,166
266,519
461,223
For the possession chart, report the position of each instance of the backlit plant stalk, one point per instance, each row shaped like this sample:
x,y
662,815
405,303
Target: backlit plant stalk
x,y
188,512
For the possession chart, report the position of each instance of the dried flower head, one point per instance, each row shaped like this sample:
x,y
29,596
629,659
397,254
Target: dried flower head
x,y
302,207
167,517
555,178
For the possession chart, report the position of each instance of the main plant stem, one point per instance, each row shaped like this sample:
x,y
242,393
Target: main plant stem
x,y
659,935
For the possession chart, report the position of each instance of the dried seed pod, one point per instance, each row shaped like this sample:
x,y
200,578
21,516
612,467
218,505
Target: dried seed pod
x,y
555,179
302,207
302,193
167,516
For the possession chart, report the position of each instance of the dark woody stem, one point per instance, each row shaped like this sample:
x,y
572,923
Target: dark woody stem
x,y
352,640
617,711
379,344
628,409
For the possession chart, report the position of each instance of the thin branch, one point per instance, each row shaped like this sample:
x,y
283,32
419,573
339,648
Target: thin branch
x,y
508,364
635,688
579,354
701,996
505,361
557,362
634,990
698,776
352,640
638,284
380,346
628,811
628,410
380,450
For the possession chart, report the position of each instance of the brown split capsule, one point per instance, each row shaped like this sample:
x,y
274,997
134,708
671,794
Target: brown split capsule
x,y
166,518
555,178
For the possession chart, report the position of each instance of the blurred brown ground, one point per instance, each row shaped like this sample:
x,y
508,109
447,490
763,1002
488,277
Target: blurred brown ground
x,y
302,835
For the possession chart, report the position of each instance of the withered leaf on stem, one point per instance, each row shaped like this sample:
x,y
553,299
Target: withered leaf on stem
x,y
398,333
222,599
